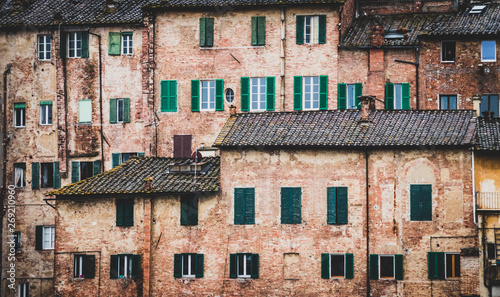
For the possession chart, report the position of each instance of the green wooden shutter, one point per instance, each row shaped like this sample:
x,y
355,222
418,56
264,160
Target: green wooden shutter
x,y
172,96
342,96
270,93
184,211
441,265
63,44
39,238
164,90
435,265
358,91
209,37
195,95
249,206
254,31
219,94
406,95
342,205
286,205
374,266
136,266
35,176
97,167
323,92
398,262
114,43
119,212
193,211
126,110
325,265
389,96
140,155
128,212
239,206
115,159
89,266
261,30
112,110
297,93
426,198
415,203
322,29
85,44
232,266
199,265
245,94
299,39
349,266
296,206
331,205
75,172
255,266
113,267
57,176
177,265
202,32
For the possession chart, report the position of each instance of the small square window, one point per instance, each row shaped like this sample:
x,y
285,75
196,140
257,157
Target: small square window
x,y
448,51
86,170
386,266
47,175
488,51
127,43
452,265
19,115
19,175
44,47
448,102
125,266
46,113
85,111
48,237
23,290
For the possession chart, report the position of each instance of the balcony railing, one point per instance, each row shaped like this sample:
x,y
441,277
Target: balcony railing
x,y
488,200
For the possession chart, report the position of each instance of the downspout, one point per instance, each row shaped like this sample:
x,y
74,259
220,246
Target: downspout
x,y
65,86
282,58
367,227
100,100
474,194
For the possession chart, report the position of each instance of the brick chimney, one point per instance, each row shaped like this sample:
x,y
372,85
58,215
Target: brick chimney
x,y
147,183
232,110
377,35
367,105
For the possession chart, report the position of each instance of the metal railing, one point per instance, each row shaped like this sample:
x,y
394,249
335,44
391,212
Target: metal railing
x,y
488,200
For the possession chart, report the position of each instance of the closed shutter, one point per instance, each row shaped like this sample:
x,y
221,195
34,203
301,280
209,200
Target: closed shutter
x,y
286,205
349,266
342,96
322,29
245,94
136,266
415,203
115,159
63,42
113,267
119,213
85,44
128,212
75,172
435,265
325,265
199,265
164,90
184,210
232,266
168,95
299,39
261,30
296,206
250,206
426,194
406,95
389,96
373,266
97,167
39,238
270,93
254,31
114,43
219,94
297,93
177,265
255,266
140,155
342,205
202,32
209,32
126,110
89,266
331,205
323,92
195,95
35,176
112,111
239,206
57,176
193,211
182,146
398,262
358,91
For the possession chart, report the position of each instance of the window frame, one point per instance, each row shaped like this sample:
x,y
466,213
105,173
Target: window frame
x,y
21,108
46,114
331,264
78,266
210,94
21,166
72,44
51,241
23,290
489,98
421,200
127,50
191,262
16,236
82,118
483,50
246,258
49,167
127,261
447,98
444,48
313,34
89,168
120,110
43,43
393,266
125,212
260,94
312,93
454,256
229,95
245,216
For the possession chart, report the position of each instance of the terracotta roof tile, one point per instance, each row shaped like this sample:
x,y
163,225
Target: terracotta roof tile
x,y
488,134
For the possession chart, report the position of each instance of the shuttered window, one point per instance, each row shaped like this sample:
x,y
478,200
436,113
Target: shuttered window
x,y
119,110
20,176
397,96
124,212
435,265
168,95
244,206
114,43
125,266
337,266
84,266
386,267
206,32
257,93
207,95
119,158
421,202
189,210
188,265
291,206
45,176
84,170
258,30
311,29
310,92
337,205
182,146
348,95
244,265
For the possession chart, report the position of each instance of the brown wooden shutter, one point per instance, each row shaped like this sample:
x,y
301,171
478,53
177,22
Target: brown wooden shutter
x,y
182,146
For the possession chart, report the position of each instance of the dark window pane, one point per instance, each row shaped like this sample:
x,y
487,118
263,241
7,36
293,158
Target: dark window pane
x,y
185,262
241,260
337,265
448,51
86,170
492,254
126,156
193,264
119,106
386,266
452,265
249,265
47,170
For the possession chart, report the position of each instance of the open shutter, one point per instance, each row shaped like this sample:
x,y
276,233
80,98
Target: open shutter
x,y
415,203
261,30
136,266
245,94
199,265
35,176
57,176
128,212
85,44
63,44
373,266
39,238
325,265
177,265
286,204
172,95
270,93
219,94
296,206
398,262
249,206
406,95
114,43
164,95
113,267
358,91
115,159
97,167
342,205
331,205
349,266
323,92
322,29
126,110
342,96
232,266
195,95
193,211
184,211
389,96
426,196
239,206
297,92
112,111
89,266
254,31
119,212
75,172
255,265
299,39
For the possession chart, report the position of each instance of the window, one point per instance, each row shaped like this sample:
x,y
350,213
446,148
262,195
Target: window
x,y
127,43
488,51
211,97
119,110
310,92
443,265
448,51
23,290
244,206
120,43
45,236
118,158
397,96
19,115
47,175
85,111
336,205
50,176
168,95
188,265
258,30
189,210
75,44
421,202
311,29
257,93
16,237
125,266
44,47
386,267
348,95
83,170
46,113
492,251
291,206
337,265
489,105
19,175
182,146
84,266
124,212
448,102
229,95
206,32
244,265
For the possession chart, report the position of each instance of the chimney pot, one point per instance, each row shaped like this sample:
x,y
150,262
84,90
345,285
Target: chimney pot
x,y
476,101
147,183
367,105
232,110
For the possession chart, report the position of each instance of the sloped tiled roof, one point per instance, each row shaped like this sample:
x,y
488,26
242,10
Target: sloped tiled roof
x,y
206,3
342,128
129,178
488,134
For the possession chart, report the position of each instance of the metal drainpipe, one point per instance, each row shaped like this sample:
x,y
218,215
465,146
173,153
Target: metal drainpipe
x,y
417,64
282,58
100,99
367,227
